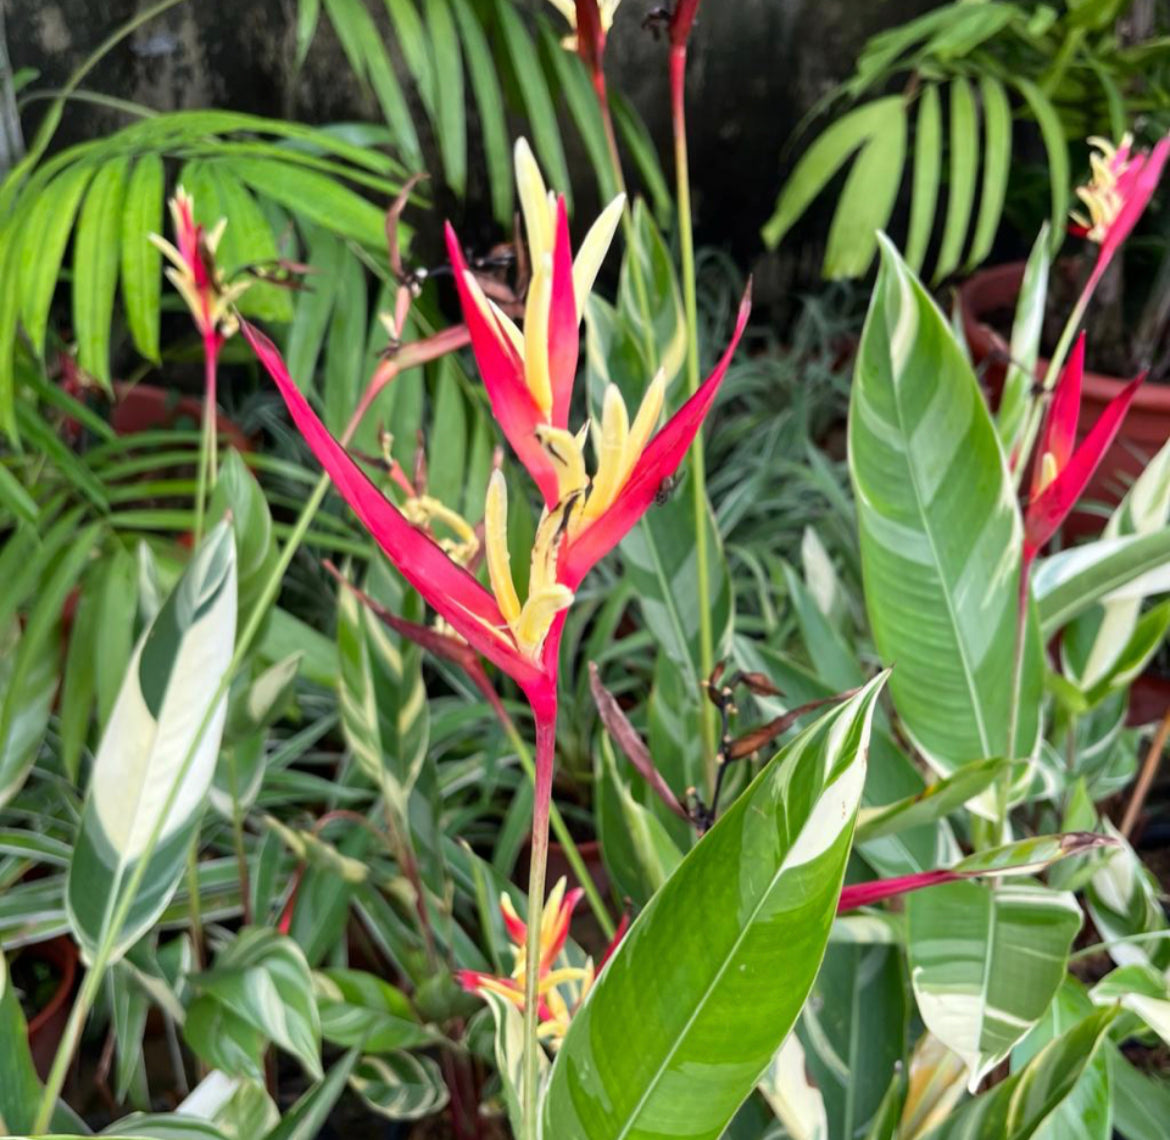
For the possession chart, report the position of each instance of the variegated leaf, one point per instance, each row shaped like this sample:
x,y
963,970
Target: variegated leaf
x,y
940,532
400,1086
687,1016
156,758
986,961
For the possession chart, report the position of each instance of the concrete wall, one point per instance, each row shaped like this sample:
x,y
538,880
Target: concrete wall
x,y
757,66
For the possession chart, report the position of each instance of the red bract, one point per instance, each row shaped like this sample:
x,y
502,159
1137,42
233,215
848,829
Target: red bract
x,y
529,378
1062,471
591,39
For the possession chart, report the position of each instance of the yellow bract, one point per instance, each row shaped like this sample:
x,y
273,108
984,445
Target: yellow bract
x,y
214,312
1101,196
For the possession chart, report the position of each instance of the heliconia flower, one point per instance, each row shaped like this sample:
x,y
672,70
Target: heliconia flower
x,y
1121,187
193,271
1063,470
556,1009
529,379
571,10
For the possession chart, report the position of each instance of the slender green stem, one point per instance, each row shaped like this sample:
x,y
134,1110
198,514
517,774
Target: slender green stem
x,y
238,838
208,441
564,838
678,63
538,866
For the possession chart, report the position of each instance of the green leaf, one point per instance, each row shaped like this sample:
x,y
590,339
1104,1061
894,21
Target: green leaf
x,y
95,267
489,101
223,1040
345,347
538,102
450,115
927,163
509,1056
14,497
239,1107
1067,583
327,256
263,979
940,532
821,161
317,197
964,147
934,802
1015,1108
667,319
854,1032
20,1087
867,201
362,1011
412,42
640,144
1059,176
985,962
1141,1104
29,668
248,244
793,1094
46,236
1027,329
997,157
306,1118
685,1018
141,260
1123,900
162,1126
400,1086
117,604
308,13
151,773
383,701
238,497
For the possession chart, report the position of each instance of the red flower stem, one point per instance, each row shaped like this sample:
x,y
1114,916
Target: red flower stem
x,y
546,728
207,446
678,71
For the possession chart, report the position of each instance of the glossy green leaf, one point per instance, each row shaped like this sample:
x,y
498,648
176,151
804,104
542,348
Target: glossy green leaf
x,y
223,1040
1027,328
400,1086
152,770
868,198
45,240
239,498
1085,1113
95,267
985,962
1141,1103
263,979
940,532
327,254
685,1019
412,42
1123,900
793,1094
964,160
509,1056
823,159
1017,1107
163,1126
141,260
927,165
933,802
997,156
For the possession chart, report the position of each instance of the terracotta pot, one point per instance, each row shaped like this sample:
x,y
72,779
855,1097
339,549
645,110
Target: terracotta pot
x,y
47,1027
144,407
992,293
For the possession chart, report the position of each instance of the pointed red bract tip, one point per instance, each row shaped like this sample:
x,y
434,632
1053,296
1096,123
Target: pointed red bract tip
x,y
564,337
502,371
